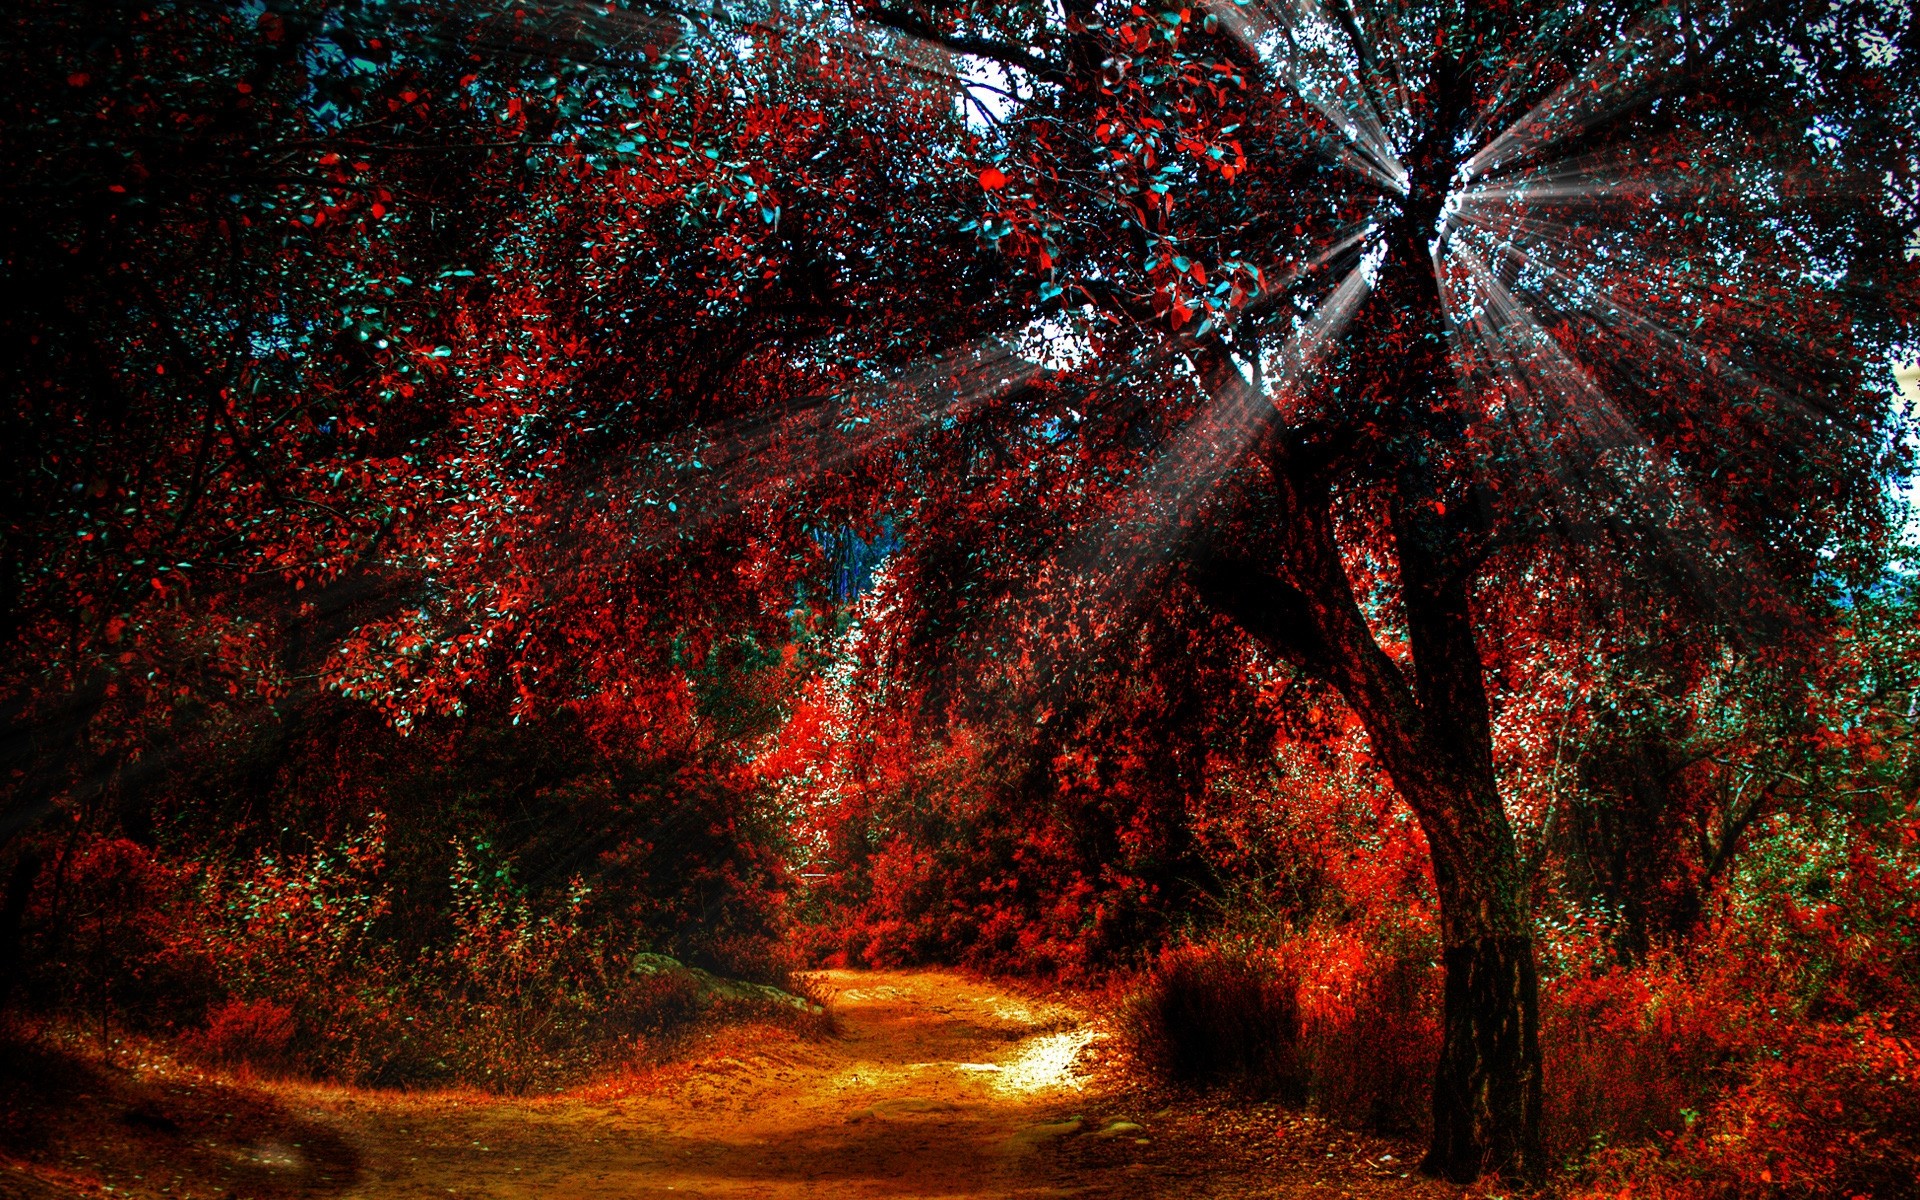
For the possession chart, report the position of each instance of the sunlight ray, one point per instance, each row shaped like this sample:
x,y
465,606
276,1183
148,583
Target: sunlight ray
x,y
1298,42
741,458
686,483
1626,175
1169,496
1524,68
1634,326
1639,60
1578,438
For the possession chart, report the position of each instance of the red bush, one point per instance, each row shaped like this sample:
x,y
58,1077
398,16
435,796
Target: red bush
x,y
1629,1054
1836,1115
114,935
1714,1075
247,1033
1369,1001
1341,1019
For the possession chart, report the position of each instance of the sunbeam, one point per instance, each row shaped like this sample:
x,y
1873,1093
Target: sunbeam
x,y
1309,54
1623,74
1235,411
849,427
1581,441
1526,243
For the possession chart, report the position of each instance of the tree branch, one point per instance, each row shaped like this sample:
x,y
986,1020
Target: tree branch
x,y
1270,611
1004,53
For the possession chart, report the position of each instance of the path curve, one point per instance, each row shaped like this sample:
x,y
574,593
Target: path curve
x,y
932,1086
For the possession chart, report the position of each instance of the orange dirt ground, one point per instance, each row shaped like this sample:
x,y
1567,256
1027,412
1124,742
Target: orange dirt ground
x,y
934,1084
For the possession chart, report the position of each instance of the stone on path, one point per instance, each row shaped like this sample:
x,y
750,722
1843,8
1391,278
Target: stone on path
x,y
1034,1135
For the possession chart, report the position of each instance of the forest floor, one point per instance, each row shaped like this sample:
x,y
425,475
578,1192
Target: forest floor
x,y
931,1084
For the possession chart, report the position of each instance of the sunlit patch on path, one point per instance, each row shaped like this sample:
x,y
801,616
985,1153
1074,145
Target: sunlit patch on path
x,y
1047,1063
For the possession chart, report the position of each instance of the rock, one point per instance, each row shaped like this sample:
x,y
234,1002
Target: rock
x,y
908,1105
1035,1134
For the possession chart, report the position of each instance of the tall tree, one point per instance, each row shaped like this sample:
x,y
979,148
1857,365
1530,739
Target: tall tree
x,y
1455,287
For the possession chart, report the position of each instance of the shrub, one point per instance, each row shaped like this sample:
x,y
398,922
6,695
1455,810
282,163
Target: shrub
x,y
248,1033
1628,1054
1708,1076
1370,999
1343,1019
114,936
1211,1015
515,993
1691,1089
1836,1115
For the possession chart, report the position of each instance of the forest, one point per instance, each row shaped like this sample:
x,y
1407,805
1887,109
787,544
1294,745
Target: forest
x,y
1357,559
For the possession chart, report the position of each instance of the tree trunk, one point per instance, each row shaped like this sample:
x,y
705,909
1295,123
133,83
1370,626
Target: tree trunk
x,y
1487,1084
1486,1093
1439,749
1487,1089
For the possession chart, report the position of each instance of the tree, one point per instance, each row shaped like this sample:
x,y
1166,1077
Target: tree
x,y
1619,281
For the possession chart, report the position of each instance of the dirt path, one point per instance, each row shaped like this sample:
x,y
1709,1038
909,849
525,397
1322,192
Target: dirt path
x,y
935,1085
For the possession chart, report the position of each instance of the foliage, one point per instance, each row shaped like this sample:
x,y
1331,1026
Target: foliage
x,y
479,924
294,971
247,1033
124,936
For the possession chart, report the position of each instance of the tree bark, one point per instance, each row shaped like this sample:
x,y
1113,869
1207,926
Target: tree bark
x,y
1486,1092
1487,1088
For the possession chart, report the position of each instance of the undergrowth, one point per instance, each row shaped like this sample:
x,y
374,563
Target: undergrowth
x,y
1697,1074
281,966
